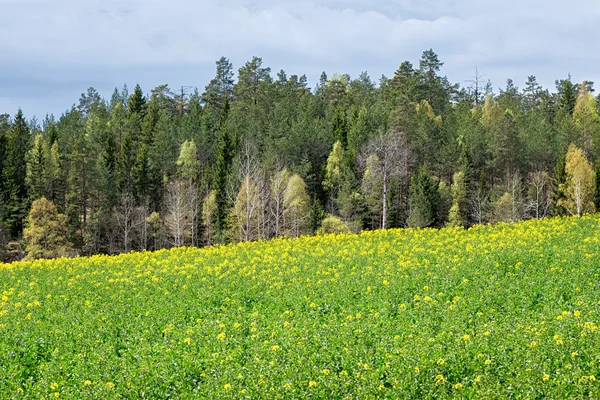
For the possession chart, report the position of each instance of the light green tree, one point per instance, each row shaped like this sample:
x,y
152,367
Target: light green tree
x,y
46,231
580,185
587,121
296,204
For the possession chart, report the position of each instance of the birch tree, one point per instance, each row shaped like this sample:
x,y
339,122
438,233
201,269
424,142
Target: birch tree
x,y
580,184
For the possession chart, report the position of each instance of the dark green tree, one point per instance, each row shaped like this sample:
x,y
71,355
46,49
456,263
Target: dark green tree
x,y
14,175
423,200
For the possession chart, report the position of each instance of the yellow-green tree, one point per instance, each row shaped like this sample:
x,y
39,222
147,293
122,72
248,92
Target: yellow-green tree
x,y
46,231
458,211
247,214
296,206
586,119
580,184
209,210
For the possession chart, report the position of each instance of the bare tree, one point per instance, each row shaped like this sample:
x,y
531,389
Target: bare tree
x,y
516,194
391,150
142,215
480,205
540,194
209,206
127,219
176,213
278,185
249,205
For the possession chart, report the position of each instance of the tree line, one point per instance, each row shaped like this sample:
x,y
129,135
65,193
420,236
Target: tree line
x,y
261,157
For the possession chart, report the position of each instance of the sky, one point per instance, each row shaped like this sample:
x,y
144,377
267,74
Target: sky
x,y
51,51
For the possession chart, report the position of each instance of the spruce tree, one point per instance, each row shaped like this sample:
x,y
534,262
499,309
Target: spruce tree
x,y
36,168
560,177
423,200
136,104
221,172
14,175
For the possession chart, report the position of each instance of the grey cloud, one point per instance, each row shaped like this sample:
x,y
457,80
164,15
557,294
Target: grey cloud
x,y
60,47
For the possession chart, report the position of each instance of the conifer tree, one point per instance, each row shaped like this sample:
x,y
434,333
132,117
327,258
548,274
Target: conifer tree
x,y
14,175
37,168
221,172
423,200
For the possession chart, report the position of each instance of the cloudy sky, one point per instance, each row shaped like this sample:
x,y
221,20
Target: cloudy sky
x,y
52,50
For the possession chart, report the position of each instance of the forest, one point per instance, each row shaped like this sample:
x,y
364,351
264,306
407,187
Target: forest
x,y
255,156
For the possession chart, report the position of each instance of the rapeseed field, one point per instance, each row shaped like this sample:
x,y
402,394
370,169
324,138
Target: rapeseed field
x,y
511,310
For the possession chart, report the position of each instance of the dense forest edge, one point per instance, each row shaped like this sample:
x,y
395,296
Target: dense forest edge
x,y
261,157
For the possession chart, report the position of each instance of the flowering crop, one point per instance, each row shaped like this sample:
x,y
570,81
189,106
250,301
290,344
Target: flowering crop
x,y
511,310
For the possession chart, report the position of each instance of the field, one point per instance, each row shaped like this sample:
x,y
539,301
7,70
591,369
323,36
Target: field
x,y
492,312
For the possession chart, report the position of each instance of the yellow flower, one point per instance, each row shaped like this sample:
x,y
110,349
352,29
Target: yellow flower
x,y
275,347
227,386
312,384
326,371
488,362
187,340
440,379
87,383
546,377
458,386
54,386
109,385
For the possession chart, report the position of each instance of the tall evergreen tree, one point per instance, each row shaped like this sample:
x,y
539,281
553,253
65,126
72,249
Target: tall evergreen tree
x,y
221,173
14,175
37,168
423,200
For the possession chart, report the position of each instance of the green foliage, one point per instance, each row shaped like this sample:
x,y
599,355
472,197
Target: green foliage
x,y
587,122
423,200
46,230
296,204
332,225
353,143
221,172
14,175
459,210
579,188
36,168
136,104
